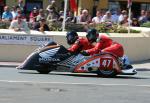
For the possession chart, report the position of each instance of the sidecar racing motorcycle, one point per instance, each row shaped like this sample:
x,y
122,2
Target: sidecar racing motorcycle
x,y
54,57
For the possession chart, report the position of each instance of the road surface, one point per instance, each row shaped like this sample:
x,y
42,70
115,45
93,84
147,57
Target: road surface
x,y
17,86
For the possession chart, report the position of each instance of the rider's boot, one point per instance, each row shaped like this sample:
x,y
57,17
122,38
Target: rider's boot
x,y
126,63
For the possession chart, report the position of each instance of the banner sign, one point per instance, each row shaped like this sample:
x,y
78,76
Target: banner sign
x,y
25,39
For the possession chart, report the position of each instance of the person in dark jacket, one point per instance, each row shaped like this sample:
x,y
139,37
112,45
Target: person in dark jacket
x,y
41,25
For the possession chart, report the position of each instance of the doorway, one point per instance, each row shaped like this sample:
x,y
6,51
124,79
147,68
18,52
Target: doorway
x,y
136,9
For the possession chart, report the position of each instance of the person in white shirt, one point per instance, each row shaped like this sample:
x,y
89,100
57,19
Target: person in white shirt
x,y
19,24
14,12
107,17
121,17
98,17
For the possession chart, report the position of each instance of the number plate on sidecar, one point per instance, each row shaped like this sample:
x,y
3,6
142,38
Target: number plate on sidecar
x,y
106,63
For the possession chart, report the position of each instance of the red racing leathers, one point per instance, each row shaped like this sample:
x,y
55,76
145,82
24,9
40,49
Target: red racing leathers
x,y
80,44
105,44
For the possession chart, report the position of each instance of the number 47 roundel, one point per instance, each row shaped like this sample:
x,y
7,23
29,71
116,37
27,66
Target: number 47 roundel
x,y
106,63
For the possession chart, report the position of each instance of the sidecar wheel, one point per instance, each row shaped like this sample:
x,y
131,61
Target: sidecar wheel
x,y
106,73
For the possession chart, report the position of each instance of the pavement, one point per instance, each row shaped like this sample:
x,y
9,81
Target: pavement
x,y
9,64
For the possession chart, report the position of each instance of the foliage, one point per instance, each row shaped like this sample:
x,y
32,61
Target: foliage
x,y
108,27
147,24
4,25
57,26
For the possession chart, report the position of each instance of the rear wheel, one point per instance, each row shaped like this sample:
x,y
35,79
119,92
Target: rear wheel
x,y
106,73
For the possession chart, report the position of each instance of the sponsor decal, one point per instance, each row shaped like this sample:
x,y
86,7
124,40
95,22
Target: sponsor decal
x,y
25,39
48,60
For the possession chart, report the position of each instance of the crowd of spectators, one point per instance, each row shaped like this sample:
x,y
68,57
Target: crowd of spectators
x,y
38,17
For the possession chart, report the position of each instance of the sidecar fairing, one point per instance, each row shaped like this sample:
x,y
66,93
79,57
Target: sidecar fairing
x,y
52,56
105,64
45,59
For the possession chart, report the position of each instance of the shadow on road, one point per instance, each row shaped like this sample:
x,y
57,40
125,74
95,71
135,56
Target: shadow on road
x,y
142,62
143,69
96,76
89,75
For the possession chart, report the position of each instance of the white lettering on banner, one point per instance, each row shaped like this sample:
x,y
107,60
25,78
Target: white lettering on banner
x,y
25,39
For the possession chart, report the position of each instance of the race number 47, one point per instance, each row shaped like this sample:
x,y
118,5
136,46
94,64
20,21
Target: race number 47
x,y
106,63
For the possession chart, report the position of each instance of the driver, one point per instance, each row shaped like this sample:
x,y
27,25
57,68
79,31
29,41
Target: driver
x,y
104,44
77,43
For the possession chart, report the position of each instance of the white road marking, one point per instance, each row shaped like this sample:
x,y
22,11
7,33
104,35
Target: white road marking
x,y
33,82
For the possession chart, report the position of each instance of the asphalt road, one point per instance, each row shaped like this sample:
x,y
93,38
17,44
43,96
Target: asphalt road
x,y
18,86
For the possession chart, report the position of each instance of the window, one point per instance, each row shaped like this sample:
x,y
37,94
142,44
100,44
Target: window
x,y
114,6
145,6
30,4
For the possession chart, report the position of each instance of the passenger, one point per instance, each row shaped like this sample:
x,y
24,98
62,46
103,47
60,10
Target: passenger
x,y
104,44
77,43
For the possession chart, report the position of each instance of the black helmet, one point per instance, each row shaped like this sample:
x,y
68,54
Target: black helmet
x,y
71,37
92,35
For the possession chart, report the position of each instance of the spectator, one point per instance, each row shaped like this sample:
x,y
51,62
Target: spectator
x,y
85,17
51,6
121,17
135,22
41,25
77,18
107,17
19,12
33,15
21,6
142,18
19,24
14,12
125,21
115,16
52,16
61,16
98,18
70,16
41,15
6,16
148,15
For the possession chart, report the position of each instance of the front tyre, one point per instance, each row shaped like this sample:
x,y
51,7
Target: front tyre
x,y
44,71
106,73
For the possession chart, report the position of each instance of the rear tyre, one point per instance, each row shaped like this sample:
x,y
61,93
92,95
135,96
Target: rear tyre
x,y
106,73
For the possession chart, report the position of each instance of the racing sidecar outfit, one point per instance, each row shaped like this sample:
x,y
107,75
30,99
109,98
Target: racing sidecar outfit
x,y
80,44
105,44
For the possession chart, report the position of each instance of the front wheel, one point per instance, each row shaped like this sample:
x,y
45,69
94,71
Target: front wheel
x,y
44,71
106,73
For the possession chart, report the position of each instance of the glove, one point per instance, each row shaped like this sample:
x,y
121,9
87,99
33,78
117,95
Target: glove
x,y
84,53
